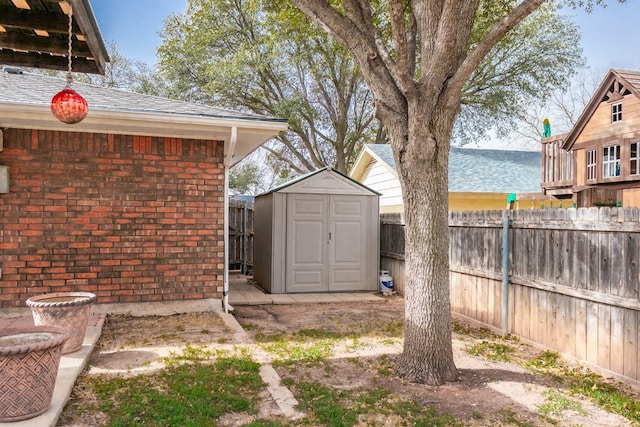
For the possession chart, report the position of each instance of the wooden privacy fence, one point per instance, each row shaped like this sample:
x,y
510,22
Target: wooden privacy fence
x,y
573,278
240,235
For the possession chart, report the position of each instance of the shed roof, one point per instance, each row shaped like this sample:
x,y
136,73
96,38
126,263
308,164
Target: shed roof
x,y
482,170
323,181
25,102
34,33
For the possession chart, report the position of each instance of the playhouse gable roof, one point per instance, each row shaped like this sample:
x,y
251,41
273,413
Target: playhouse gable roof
x,y
615,85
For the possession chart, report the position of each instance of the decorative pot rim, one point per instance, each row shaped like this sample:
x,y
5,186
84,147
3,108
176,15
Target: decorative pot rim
x,y
61,299
57,337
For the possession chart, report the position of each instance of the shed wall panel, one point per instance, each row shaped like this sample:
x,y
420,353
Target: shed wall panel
x,y
263,236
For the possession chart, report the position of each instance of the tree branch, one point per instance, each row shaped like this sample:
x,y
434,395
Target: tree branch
x,y
399,32
520,12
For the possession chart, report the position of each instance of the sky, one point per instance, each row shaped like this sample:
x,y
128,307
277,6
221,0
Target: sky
x,y
135,24
610,36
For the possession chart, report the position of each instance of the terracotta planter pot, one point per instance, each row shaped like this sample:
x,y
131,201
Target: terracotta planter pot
x,y
67,310
29,359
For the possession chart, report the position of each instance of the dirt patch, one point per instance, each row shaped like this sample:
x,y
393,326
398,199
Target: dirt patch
x,y
487,392
367,337
122,331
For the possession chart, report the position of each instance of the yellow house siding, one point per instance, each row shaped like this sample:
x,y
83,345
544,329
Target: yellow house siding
x,y
477,201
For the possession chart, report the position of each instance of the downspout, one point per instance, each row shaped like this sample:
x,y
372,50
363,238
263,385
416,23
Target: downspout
x,y
227,163
505,274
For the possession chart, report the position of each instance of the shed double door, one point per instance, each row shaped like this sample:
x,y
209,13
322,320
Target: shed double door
x,y
326,243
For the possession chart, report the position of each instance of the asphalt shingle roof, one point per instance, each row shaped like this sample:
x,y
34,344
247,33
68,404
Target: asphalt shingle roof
x,y
35,89
481,170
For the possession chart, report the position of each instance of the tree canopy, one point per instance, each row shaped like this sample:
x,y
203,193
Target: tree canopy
x,y
266,57
534,62
248,55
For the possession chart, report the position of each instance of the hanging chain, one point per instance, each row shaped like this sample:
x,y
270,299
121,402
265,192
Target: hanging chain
x,y
69,78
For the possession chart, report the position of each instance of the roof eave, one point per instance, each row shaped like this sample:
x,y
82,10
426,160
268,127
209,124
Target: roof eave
x,y
359,166
252,133
383,162
83,14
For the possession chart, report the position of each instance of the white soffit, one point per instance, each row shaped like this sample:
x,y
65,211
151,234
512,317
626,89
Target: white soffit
x,y
251,133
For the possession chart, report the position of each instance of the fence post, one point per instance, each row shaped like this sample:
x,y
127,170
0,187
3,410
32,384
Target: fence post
x,y
245,237
505,274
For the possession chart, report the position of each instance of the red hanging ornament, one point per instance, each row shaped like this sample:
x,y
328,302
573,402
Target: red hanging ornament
x,y
69,106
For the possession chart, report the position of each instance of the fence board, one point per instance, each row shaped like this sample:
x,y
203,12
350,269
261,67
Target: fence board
x,y
631,270
617,263
567,254
604,336
630,346
531,266
492,316
581,329
542,318
600,262
616,358
552,320
581,261
557,256
482,302
516,315
497,303
565,324
526,310
592,332
472,296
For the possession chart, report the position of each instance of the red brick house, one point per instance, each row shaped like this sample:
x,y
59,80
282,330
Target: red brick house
x,y
128,204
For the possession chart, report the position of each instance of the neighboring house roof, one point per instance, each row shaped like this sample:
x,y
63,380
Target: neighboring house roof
x,y
622,82
25,102
383,153
242,198
475,170
338,182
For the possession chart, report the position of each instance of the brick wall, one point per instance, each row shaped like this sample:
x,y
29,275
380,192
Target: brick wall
x,y
129,218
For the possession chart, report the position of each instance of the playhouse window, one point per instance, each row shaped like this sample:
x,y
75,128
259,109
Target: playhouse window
x,y
616,112
611,161
635,158
591,164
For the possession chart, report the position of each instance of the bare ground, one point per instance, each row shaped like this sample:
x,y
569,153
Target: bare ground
x,y
486,393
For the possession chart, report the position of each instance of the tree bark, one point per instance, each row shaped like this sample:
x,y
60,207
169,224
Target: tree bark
x,y
421,151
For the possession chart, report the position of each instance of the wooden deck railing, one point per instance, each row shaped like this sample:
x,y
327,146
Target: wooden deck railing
x,y
557,164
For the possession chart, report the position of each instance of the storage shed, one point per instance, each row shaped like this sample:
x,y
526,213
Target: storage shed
x,y
317,233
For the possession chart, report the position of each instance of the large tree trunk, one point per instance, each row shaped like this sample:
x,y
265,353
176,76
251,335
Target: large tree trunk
x,y
422,155
418,113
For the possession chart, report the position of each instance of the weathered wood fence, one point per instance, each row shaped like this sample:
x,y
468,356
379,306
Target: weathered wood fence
x,y
240,235
573,278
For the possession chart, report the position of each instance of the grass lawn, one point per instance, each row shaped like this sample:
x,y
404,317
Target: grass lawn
x,y
338,381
